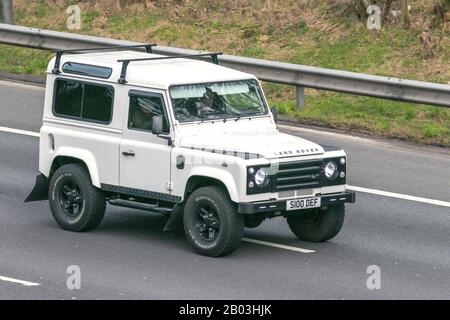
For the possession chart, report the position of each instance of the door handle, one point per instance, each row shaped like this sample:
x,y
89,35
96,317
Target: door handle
x,y
128,153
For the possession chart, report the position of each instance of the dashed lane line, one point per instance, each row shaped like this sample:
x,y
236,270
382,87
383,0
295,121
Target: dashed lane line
x,y
277,245
18,281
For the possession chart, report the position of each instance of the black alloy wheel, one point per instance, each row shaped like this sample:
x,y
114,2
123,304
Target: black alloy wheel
x,y
71,199
207,223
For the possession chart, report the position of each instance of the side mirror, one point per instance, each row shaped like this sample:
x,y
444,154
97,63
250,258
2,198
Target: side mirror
x,y
274,114
157,124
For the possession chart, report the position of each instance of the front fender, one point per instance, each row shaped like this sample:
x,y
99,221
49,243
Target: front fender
x,y
219,174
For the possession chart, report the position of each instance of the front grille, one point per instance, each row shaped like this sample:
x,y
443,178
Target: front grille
x,y
297,175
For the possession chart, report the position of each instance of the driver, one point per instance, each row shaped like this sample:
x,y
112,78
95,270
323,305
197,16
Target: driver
x,y
143,115
206,103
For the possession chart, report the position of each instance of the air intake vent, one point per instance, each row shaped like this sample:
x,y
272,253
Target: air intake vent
x,y
297,175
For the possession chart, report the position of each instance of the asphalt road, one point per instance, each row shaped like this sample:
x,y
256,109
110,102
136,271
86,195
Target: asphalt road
x,y
130,257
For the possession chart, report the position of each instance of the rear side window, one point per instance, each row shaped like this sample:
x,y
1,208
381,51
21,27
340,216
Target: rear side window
x,y
68,98
83,101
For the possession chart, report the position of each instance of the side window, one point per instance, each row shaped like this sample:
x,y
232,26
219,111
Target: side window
x,y
97,103
142,110
68,98
90,102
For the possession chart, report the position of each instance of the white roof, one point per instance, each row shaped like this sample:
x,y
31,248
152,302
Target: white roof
x,y
158,73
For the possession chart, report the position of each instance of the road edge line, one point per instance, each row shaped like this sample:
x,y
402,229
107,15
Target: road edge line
x,y
19,131
399,196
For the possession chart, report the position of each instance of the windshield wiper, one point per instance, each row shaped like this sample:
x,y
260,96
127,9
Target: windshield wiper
x,y
245,112
204,114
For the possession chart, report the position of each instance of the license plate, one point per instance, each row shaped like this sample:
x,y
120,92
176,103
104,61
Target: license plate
x,y
303,203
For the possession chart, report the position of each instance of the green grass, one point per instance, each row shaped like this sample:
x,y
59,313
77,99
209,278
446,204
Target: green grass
x,y
255,52
122,24
23,61
289,30
171,33
87,19
357,52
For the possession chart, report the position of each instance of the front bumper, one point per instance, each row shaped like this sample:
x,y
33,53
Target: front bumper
x,y
280,205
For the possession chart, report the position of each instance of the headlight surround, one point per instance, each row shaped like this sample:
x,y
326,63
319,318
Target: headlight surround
x,y
331,170
260,178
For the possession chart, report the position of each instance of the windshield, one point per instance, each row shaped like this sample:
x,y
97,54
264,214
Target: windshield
x,y
210,101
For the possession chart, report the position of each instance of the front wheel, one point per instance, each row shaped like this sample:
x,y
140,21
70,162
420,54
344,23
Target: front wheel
x,y
211,222
318,225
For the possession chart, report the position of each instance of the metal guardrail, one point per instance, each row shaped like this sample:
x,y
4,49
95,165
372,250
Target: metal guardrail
x,y
296,75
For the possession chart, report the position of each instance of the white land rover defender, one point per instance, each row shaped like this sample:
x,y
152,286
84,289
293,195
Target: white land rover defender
x,y
183,137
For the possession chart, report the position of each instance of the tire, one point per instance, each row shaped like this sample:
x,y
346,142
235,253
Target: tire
x,y
75,203
319,225
210,208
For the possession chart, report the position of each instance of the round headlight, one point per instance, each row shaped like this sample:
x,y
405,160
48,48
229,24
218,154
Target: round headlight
x,y
260,178
331,170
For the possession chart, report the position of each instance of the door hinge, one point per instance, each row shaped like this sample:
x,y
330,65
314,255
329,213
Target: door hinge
x,y
169,186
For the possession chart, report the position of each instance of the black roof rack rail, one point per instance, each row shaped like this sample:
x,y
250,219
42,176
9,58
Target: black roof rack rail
x,y
126,62
59,53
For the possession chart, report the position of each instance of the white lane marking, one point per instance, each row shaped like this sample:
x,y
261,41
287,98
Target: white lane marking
x,y
354,188
18,131
400,196
277,245
22,282
330,133
21,85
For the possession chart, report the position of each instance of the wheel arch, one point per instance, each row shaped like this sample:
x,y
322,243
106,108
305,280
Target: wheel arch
x,y
75,155
197,181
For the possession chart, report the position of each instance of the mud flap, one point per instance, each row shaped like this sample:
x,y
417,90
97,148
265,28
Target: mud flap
x,y
175,218
40,190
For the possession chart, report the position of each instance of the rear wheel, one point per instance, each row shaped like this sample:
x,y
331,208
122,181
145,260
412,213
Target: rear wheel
x,y
318,225
211,222
75,203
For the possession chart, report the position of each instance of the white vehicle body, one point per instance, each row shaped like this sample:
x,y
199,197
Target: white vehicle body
x,y
167,167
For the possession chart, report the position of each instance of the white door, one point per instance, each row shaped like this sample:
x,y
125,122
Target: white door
x,y
144,156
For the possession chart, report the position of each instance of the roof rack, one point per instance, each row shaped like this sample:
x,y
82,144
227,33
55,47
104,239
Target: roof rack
x,y
59,53
126,62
